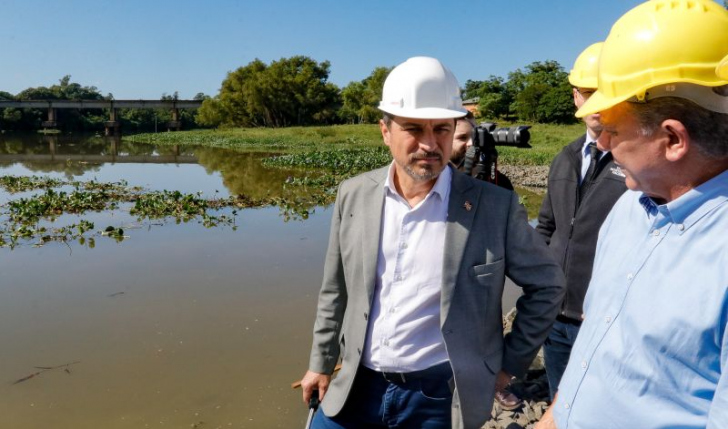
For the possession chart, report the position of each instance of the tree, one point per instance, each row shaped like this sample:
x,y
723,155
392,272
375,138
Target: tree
x,y
290,91
360,99
495,98
542,93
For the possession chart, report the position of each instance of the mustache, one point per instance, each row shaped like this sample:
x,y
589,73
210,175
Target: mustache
x,y
425,155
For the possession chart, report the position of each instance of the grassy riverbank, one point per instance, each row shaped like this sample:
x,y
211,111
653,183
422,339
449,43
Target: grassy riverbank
x,y
546,140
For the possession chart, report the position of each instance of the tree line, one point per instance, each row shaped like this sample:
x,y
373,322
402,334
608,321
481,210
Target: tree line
x,y
295,91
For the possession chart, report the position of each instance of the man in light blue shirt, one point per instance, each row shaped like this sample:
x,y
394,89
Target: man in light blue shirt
x,y
653,349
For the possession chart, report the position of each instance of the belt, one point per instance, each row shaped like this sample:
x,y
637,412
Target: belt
x,y
439,371
568,320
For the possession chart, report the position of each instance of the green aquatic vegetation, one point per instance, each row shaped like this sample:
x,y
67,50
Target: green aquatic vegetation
x,y
268,138
343,161
14,184
53,203
169,203
20,217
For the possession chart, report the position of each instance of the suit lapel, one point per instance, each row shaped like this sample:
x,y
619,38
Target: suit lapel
x,y
463,204
374,203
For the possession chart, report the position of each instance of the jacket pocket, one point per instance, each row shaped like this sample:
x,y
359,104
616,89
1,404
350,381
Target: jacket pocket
x,y
485,274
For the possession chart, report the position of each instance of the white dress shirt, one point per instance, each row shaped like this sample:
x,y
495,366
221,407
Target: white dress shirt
x,y
403,334
586,156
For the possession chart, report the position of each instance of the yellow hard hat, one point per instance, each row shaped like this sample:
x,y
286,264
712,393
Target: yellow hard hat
x,y
661,42
586,66
722,69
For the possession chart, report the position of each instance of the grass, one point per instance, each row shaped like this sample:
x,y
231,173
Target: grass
x,y
546,140
270,139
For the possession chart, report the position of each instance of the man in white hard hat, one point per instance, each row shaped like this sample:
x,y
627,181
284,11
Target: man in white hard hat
x,y
411,296
584,183
653,349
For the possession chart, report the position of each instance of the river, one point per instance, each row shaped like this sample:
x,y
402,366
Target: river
x,y
178,325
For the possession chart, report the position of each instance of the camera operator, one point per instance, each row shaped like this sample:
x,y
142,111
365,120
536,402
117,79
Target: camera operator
x,y
462,141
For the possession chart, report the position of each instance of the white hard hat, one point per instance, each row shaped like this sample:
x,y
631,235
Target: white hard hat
x,y
422,88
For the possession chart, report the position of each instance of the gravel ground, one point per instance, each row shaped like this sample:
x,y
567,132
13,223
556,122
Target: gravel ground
x,y
527,176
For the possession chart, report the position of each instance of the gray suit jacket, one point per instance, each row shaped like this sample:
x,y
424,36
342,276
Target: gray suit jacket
x,y
483,245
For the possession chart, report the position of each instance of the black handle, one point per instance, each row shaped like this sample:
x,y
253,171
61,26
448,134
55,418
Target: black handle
x,y
313,403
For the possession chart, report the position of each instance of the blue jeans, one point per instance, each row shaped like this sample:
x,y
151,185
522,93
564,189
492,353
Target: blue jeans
x,y
376,403
556,352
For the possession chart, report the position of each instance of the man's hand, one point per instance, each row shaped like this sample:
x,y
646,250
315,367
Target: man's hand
x,y
547,421
314,381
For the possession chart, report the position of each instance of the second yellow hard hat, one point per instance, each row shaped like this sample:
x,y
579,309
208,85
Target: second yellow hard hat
x,y
661,42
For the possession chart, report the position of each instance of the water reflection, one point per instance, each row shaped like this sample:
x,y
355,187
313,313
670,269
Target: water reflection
x,y
211,328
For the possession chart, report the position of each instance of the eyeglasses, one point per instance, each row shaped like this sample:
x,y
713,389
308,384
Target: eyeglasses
x,y
585,93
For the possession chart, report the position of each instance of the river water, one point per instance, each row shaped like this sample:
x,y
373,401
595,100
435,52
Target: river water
x,y
176,326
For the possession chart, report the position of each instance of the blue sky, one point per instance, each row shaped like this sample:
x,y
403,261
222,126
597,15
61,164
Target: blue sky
x,y
141,49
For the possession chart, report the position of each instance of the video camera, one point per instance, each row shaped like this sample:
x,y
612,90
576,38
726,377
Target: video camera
x,y
481,159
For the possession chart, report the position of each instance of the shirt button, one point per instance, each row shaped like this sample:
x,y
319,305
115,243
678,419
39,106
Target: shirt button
x,y
392,310
398,279
656,232
583,364
630,276
403,245
608,319
681,227
386,343
566,405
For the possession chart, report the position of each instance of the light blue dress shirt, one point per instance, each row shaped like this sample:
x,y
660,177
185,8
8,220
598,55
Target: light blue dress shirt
x,y
653,349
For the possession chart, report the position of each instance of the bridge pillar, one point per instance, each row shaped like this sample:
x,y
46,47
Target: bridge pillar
x,y
51,122
112,127
175,124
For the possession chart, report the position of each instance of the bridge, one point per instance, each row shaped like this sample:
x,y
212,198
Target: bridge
x,y
112,153
112,126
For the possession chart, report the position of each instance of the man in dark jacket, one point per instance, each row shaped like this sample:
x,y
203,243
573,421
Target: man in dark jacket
x,y
583,185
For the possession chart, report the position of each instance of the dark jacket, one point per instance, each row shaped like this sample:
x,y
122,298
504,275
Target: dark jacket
x,y
571,232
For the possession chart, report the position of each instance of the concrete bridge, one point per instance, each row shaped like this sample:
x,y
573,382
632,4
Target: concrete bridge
x,y
112,126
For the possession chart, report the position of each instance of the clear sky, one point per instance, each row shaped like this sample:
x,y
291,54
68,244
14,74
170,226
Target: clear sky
x,y
143,48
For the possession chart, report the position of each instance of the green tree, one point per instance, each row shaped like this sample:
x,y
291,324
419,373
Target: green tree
x,y
290,91
495,97
360,99
542,93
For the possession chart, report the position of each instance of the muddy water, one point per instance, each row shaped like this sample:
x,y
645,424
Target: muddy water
x,y
177,326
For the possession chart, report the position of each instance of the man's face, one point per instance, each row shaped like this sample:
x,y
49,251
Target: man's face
x,y
592,121
642,159
462,140
420,147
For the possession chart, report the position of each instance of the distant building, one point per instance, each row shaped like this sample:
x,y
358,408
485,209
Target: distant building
x,y
472,105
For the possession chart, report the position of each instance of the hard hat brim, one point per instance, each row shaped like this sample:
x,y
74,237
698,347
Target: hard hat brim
x,y
598,102
425,112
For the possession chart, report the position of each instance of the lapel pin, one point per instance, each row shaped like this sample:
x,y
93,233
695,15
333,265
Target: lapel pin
x,y
467,205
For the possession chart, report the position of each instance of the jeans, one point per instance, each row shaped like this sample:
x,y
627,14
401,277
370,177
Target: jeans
x,y
556,352
376,403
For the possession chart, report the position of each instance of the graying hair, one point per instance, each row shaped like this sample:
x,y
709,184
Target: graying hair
x,y
707,129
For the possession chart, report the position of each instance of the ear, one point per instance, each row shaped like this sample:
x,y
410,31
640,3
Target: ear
x,y
678,144
577,98
385,131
